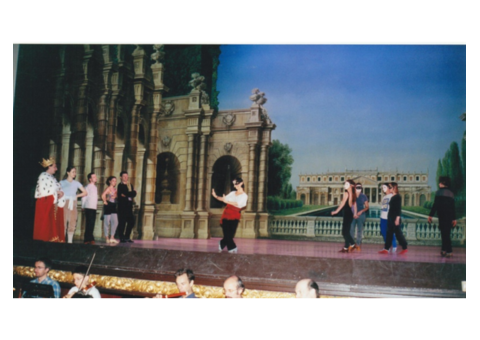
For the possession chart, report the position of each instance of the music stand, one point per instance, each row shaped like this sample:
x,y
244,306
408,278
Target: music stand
x,y
37,290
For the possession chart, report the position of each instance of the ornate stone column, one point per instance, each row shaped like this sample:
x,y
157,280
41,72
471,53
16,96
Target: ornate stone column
x,y
139,64
119,72
79,121
268,126
194,115
148,211
262,178
100,133
203,230
252,164
188,184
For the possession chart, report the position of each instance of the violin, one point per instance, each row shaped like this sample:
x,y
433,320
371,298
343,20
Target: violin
x,y
87,287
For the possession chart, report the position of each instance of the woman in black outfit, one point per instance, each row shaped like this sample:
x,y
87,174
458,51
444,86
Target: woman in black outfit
x,y
349,205
394,222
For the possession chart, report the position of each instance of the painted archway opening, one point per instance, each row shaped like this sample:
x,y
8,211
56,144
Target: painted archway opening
x,y
225,170
168,178
303,198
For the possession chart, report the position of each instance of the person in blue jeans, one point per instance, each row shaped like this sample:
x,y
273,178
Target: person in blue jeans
x,y
384,215
359,219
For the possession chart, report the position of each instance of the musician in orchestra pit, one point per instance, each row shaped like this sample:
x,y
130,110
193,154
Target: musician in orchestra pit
x,y
307,288
82,284
233,287
184,278
42,267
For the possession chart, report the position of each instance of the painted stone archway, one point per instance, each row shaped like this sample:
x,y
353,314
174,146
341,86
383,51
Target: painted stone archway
x,y
225,169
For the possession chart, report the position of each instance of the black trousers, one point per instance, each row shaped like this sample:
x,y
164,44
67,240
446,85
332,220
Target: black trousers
x,y
127,220
397,230
229,228
90,216
445,230
347,236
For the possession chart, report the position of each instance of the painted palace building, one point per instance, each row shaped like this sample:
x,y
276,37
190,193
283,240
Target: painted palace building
x,y
327,188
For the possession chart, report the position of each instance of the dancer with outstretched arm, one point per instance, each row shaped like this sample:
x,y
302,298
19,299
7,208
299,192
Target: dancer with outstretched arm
x,y
235,201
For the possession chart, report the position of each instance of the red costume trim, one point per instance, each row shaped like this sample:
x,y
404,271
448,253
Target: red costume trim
x,y
230,213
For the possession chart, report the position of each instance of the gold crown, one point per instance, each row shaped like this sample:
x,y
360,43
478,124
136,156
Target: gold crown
x,y
47,162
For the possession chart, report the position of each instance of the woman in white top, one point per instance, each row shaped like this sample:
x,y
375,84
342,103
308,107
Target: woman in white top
x,y
70,187
235,201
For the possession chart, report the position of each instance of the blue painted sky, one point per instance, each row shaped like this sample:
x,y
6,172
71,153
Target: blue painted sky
x,y
353,106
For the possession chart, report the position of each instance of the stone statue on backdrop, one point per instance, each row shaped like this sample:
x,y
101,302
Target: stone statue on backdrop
x,y
159,54
258,97
197,83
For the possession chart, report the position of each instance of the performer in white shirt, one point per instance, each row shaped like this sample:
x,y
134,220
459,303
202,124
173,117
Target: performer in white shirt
x,y
48,225
89,206
70,187
235,201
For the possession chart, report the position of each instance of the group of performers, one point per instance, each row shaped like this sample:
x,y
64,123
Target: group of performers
x,y
56,206
56,211
355,203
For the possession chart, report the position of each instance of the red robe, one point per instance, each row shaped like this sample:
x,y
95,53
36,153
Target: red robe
x,y
48,225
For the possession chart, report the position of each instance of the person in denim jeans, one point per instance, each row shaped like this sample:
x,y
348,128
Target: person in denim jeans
x,y
384,215
359,219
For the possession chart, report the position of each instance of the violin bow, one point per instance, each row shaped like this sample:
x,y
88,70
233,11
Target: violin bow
x,y
88,271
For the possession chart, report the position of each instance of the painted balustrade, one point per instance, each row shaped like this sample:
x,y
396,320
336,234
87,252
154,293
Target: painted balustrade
x,y
416,231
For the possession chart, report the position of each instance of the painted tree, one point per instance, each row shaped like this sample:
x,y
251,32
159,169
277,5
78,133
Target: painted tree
x,y
456,171
446,165
439,171
288,192
280,163
464,159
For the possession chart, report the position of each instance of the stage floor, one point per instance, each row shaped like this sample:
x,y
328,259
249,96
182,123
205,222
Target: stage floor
x,y
424,254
